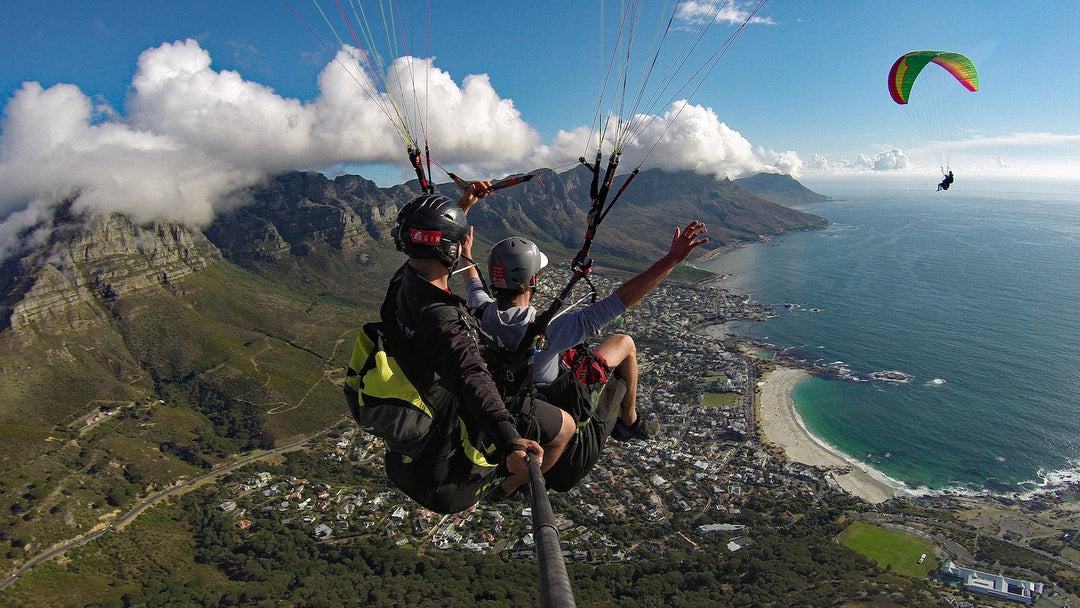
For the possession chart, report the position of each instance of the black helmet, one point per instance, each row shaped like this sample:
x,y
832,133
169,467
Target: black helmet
x,y
431,226
514,262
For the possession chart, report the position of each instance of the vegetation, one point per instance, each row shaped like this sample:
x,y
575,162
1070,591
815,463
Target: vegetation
x,y
718,399
894,550
189,553
194,373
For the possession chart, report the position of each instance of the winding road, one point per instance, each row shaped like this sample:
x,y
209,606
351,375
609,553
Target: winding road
x,y
152,499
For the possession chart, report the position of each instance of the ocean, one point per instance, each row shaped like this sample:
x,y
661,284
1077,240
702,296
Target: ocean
x,y
973,293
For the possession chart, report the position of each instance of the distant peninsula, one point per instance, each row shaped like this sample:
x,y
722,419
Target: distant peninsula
x,y
779,188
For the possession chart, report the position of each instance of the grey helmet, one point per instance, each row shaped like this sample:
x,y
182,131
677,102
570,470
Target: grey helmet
x,y
431,226
515,262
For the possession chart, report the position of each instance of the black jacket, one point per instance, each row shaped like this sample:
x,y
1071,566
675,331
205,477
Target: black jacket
x,y
437,345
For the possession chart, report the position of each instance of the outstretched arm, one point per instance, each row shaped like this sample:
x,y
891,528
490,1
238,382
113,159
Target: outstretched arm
x,y
684,242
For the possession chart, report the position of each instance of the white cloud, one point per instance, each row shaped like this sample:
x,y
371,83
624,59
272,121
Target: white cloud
x,y
1033,154
685,137
889,160
729,12
788,163
473,124
176,94
191,134
818,163
358,122
53,149
690,136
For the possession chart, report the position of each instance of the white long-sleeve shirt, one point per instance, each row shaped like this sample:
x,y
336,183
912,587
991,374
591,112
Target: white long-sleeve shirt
x,y
564,332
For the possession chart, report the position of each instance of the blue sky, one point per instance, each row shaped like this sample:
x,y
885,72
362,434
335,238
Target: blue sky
x,y
190,99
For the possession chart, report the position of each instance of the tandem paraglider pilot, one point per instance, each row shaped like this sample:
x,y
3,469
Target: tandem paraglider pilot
x,y
463,442
567,371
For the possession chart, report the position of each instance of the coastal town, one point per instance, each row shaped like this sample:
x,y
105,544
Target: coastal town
x,y
692,481
705,461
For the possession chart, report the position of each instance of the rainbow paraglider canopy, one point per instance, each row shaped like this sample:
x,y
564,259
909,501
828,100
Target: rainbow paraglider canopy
x,y
907,68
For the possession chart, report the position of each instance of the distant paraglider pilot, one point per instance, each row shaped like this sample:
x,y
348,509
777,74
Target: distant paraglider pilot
x,y
945,183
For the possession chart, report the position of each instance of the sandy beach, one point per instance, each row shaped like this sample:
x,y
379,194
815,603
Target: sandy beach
x,y
783,427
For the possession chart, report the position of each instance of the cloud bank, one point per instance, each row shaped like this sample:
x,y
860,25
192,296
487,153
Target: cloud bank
x,y
189,135
1049,155
685,137
890,160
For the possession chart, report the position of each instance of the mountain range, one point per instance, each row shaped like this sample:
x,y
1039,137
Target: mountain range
x,y
134,356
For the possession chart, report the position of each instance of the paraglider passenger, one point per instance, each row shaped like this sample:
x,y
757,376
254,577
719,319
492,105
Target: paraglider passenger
x,y
473,444
562,372
945,183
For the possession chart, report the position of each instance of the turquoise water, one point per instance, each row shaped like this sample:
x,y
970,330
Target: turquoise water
x,y
974,293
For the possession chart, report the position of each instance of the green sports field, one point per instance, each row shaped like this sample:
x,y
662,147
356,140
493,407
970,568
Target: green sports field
x,y
888,547
718,399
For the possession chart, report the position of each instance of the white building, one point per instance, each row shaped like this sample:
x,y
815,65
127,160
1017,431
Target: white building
x,y
994,585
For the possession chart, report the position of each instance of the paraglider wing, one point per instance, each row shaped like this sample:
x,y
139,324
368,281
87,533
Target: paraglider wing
x,y
908,67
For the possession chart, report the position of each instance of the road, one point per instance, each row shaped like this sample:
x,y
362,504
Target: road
x,y
149,501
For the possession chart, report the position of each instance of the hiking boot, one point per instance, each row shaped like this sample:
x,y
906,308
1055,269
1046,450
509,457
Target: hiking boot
x,y
641,429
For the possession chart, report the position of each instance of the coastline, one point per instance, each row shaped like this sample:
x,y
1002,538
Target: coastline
x,y
782,426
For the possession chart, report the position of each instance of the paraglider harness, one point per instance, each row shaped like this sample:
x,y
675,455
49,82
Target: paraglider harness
x,y
440,455
512,369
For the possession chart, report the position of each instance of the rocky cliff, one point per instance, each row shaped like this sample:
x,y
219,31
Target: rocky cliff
x,y
307,225
98,258
294,211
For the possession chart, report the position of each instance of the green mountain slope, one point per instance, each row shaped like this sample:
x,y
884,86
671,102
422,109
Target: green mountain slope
x,y
175,380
